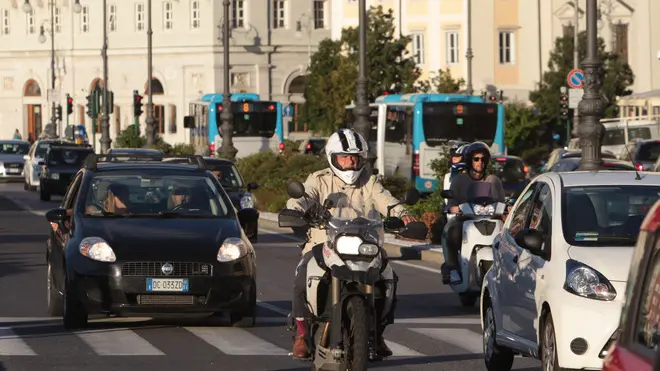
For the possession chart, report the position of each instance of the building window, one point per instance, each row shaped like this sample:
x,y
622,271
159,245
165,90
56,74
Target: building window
x,y
194,14
117,114
57,19
418,47
159,111
6,27
279,14
139,17
452,47
568,30
168,23
506,47
172,126
238,14
84,19
29,20
319,14
620,44
112,18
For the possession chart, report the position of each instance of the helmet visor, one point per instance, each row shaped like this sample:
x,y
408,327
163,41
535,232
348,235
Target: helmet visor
x,y
347,161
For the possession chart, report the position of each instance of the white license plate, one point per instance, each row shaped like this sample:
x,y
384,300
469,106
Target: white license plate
x,y
168,284
13,171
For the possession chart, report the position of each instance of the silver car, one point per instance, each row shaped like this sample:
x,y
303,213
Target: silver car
x,y
11,158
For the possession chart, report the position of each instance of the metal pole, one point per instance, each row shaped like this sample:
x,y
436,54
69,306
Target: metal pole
x,y
52,131
576,65
468,54
151,130
362,110
228,149
105,119
591,106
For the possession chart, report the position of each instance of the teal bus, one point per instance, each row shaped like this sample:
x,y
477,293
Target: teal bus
x,y
409,131
257,123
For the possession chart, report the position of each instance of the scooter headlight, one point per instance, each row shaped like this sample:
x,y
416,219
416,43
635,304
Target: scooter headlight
x,y
483,210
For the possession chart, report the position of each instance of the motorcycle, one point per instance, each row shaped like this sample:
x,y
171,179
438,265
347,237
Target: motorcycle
x,y
344,290
482,220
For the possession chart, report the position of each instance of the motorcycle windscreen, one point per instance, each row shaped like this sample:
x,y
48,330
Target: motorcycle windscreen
x,y
481,192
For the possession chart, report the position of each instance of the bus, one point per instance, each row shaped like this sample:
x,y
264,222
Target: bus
x,y
257,123
409,131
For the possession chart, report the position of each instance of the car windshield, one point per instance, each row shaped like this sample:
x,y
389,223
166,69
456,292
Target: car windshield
x,y
227,175
41,149
606,215
157,195
67,157
356,218
14,148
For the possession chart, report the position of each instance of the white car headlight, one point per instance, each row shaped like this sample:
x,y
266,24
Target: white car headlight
x,y
483,210
247,201
232,248
585,281
97,249
349,245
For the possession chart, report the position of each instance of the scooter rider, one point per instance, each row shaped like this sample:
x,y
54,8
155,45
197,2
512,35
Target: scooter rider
x,y
346,151
476,158
455,163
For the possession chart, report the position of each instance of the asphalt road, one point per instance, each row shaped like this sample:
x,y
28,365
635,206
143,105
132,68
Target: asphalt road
x,y
432,331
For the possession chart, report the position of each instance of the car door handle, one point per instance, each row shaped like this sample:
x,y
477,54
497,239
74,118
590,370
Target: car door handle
x,y
515,259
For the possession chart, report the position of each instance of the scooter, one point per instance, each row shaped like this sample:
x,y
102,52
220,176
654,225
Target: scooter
x,y
482,221
344,285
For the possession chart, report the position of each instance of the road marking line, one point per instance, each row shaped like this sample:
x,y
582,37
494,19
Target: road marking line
x,y
12,345
399,350
439,321
411,265
236,341
273,308
461,338
118,342
290,238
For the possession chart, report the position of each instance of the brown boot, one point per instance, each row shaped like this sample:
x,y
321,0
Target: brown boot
x,y
300,348
383,349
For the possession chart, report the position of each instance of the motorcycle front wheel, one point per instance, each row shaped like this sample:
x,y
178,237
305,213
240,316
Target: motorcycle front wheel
x,y
356,335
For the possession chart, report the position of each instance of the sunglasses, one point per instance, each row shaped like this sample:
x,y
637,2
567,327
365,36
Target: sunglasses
x,y
477,159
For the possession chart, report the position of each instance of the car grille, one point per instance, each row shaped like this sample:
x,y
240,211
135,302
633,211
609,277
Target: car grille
x,y
14,166
153,269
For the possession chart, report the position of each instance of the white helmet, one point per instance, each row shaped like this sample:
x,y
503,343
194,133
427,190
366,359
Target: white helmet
x,y
346,142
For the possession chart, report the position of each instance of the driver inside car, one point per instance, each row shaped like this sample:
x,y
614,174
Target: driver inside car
x,y
346,151
115,202
179,197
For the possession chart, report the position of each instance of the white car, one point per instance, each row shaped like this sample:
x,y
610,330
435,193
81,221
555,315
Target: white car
x,y
31,167
560,268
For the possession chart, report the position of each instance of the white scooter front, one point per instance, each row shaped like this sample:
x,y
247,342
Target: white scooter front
x,y
481,224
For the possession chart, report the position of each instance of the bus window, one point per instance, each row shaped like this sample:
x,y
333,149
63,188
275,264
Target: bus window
x,y
252,119
396,124
349,120
468,122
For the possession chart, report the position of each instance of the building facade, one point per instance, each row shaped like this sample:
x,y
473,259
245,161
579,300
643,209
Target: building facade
x,y
512,39
271,42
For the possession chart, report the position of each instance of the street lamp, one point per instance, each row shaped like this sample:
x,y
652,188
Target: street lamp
x,y
151,129
468,54
362,110
27,7
105,119
308,26
228,149
591,106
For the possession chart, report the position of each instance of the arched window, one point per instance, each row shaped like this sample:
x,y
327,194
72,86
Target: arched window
x,y
297,85
156,87
32,89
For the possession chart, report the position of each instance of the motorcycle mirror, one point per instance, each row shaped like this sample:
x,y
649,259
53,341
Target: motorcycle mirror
x,y
295,189
447,193
393,223
415,231
411,197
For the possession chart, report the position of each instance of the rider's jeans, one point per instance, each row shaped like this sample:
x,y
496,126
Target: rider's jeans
x,y
454,241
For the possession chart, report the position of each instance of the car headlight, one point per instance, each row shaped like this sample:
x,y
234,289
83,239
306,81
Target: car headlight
x,y
55,176
349,245
232,248
368,249
483,210
247,202
587,282
97,249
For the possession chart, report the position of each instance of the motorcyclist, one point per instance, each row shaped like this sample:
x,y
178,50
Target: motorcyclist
x,y
346,151
476,157
456,166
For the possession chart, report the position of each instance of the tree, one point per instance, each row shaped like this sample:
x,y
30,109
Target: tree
x,y
618,76
333,71
441,82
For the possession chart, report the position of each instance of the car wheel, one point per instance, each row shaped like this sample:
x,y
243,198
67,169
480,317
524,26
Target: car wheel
x,y
549,358
74,314
53,298
246,316
468,298
43,193
497,358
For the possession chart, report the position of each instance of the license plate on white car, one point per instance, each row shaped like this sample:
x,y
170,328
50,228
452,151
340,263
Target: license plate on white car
x,y
168,284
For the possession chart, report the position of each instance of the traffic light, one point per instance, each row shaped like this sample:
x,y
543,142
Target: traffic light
x,y
137,104
90,105
69,105
563,106
58,112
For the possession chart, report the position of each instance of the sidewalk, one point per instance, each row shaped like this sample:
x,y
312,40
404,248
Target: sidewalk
x,y
396,248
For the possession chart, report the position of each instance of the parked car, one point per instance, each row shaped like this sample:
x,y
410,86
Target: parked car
x,y
60,164
512,172
642,153
560,267
11,158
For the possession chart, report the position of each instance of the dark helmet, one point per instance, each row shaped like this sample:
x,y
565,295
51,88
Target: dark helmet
x,y
474,148
456,150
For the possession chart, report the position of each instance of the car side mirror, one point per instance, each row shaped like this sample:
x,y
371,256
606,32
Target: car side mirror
x,y
56,215
26,158
447,194
252,186
295,189
248,216
411,197
530,239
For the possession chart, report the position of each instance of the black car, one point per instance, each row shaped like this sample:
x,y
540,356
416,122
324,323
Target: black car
x,y
512,173
60,164
149,238
238,191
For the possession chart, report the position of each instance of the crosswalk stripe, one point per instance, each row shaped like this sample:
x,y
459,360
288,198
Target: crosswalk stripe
x,y
12,345
399,350
236,341
118,342
462,338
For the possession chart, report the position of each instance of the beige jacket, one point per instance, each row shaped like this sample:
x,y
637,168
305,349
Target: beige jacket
x,y
367,190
